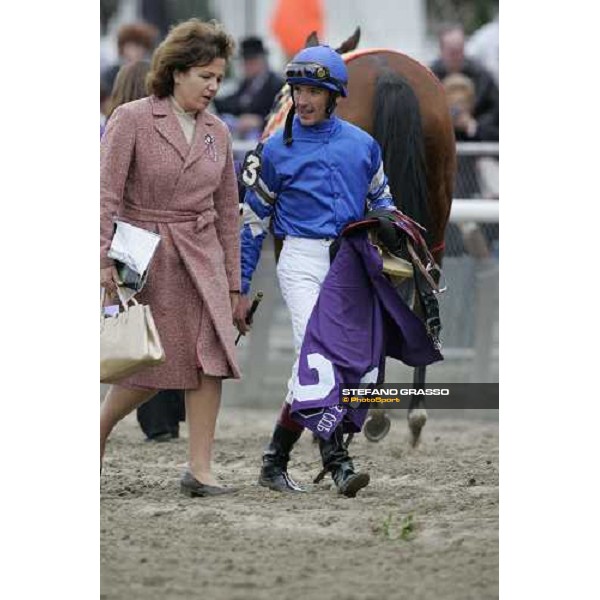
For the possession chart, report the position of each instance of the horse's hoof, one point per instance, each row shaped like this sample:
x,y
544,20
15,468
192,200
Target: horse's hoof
x,y
416,421
377,427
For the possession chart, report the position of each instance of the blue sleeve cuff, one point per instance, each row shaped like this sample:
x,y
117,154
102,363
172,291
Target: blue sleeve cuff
x,y
245,287
383,203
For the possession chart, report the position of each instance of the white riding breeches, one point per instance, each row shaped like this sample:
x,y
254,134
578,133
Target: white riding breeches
x,y
302,268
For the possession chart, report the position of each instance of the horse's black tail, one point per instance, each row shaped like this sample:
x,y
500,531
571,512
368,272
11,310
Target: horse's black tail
x,y
399,132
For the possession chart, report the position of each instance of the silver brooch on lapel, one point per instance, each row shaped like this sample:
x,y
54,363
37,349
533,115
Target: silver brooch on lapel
x,y
211,147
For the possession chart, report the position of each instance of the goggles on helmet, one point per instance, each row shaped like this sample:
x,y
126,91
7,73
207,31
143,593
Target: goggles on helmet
x,y
307,71
313,73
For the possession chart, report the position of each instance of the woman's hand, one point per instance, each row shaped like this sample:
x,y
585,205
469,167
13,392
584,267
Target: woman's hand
x,y
240,311
109,279
234,298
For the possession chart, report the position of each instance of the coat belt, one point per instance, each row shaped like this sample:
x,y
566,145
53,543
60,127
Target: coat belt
x,y
153,215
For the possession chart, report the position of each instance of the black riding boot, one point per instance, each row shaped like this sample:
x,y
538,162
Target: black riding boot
x,y
274,473
337,461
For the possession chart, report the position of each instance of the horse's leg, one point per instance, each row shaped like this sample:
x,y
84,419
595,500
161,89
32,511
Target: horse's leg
x,y
377,425
417,414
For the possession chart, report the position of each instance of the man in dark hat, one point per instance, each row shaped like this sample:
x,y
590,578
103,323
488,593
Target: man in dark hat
x,y
253,100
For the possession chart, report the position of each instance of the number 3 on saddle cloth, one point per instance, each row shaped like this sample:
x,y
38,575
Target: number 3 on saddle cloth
x,y
358,320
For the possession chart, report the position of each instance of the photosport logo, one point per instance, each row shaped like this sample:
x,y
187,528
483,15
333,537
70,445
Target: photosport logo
x,y
438,395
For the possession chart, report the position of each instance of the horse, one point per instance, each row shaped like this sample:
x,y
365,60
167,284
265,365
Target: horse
x,y
402,104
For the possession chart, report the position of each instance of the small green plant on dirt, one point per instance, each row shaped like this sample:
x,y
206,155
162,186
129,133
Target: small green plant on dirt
x,y
387,527
407,528
390,530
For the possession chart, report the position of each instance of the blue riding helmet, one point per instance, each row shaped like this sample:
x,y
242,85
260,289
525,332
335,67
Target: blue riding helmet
x,y
320,66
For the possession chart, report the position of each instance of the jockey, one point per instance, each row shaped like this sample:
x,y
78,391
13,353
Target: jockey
x,y
312,179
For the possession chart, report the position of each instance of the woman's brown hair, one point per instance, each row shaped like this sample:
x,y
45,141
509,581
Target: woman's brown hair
x,y
130,84
142,34
189,44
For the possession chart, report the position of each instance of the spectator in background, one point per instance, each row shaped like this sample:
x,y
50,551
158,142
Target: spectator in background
x,y
484,46
159,417
253,100
460,95
135,41
469,237
484,125
104,100
130,85
477,176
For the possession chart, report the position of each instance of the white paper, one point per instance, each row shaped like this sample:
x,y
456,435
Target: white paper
x,y
133,246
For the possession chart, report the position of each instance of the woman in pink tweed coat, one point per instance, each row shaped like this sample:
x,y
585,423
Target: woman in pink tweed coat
x,y
166,166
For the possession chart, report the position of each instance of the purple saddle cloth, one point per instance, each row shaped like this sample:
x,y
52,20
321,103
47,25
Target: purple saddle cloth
x,y
358,320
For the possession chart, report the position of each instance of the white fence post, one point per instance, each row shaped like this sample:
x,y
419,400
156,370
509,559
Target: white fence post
x,y
486,315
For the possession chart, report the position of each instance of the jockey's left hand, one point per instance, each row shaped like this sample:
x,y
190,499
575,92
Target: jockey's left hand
x,y
240,312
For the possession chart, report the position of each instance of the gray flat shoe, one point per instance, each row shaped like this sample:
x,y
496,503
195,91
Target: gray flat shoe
x,y
193,488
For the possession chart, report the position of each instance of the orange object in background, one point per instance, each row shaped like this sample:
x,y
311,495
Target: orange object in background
x,y
294,20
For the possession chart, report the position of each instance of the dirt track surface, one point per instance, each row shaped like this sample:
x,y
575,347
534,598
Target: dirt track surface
x,y
425,528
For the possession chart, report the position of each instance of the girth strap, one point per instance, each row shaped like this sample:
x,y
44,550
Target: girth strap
x,y
431,308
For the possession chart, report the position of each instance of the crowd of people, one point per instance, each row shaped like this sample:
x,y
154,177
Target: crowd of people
x,y
167,166
473,101
468,69
247,108
244,111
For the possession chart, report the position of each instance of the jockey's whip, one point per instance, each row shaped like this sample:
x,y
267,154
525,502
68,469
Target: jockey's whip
x,y
250,315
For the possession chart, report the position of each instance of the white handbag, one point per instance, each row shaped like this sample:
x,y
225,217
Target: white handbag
x,y
129,341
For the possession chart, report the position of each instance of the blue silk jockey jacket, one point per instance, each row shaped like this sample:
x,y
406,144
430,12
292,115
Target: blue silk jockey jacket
x,y
329,176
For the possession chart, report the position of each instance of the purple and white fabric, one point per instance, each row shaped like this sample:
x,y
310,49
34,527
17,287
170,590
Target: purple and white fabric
x,y
357,321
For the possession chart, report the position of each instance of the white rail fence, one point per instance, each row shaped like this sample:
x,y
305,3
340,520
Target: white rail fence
x,y
482,211
462,148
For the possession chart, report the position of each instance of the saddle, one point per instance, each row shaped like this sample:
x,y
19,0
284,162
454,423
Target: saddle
x,y
397,268
405,255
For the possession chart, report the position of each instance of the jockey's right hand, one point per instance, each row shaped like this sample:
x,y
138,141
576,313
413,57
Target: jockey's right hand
x,y
240,314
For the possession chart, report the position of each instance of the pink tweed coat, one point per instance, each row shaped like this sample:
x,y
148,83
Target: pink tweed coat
x,y
152,178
